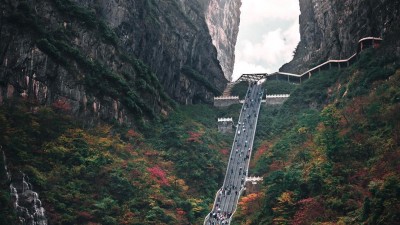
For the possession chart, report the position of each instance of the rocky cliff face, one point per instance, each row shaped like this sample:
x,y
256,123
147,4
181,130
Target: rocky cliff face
x,y
172,38
112,59
222,18
331,29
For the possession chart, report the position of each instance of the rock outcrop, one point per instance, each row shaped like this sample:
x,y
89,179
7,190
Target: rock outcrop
x,y
26,203
115,60
222,17
331,29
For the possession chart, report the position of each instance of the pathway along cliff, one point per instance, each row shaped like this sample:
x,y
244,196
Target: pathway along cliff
x,y
226,199
364,43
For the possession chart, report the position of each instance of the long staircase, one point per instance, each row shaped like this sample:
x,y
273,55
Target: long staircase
x,y
227,197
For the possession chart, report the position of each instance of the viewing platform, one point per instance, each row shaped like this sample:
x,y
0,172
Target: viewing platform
x,y
225,125
276,99
225,101
252,185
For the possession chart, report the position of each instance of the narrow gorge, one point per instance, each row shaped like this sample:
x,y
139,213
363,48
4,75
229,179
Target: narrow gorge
x,y
106,113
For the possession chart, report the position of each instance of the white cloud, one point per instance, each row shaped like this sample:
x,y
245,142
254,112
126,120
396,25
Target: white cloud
x,y
246,67
259,10
276,46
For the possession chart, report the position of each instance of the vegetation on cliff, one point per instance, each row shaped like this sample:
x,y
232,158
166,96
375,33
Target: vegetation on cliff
x,y
330,154
162,173
132,82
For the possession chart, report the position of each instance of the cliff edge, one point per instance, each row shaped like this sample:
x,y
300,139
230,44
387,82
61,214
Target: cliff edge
x,y
222,19
115,60
331,29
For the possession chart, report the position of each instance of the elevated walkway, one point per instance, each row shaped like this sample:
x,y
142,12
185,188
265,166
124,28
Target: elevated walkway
x,y
363,43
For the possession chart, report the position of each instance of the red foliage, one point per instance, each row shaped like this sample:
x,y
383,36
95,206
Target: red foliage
x,y
224,151
129,148
135,173
260,151
276,165
52,215
84,216
134,137
251,203
180,212
127,218
194,137
354,112
396,134
309,209
150,153
133,134
159,175
387,164
358,176
62,104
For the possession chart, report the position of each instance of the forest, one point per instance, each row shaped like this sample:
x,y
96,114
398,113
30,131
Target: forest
x,y
328,155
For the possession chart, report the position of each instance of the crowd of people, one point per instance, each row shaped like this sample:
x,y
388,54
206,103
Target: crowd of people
x,y
236,173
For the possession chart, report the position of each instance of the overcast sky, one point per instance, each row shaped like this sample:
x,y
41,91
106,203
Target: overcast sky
x,y
268,35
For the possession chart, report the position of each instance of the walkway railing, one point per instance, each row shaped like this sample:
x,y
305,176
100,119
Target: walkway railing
x,y
363,43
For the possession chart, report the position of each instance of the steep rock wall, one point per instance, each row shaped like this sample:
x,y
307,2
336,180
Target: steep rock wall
x,y
107,58
331,29
170,36
222,18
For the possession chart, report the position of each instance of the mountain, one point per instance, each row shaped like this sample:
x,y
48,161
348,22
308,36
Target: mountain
x,y
332,29
91,109
115,60
329,154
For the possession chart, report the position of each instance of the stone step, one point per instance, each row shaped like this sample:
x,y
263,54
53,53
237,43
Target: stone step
x,y
228,89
